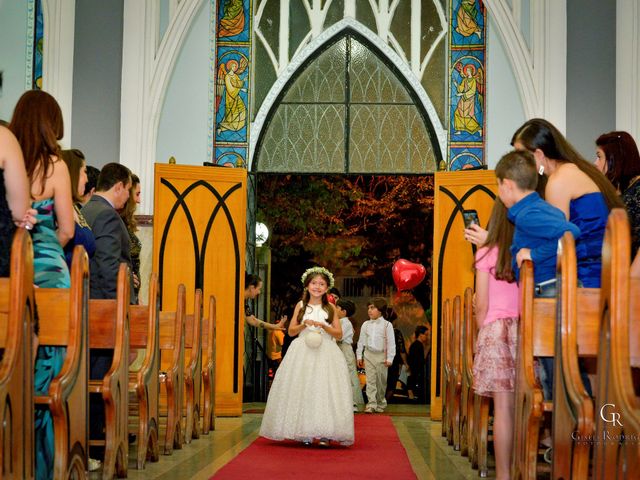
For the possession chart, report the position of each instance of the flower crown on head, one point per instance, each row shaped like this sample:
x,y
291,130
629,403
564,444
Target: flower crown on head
x,y
316,270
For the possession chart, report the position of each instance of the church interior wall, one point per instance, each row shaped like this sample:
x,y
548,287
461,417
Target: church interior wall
x,y
184,123
183,130
505,111
591,72
13,58
97,73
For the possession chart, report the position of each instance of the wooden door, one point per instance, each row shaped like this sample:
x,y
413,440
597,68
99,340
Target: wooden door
x,y
199,232
453,256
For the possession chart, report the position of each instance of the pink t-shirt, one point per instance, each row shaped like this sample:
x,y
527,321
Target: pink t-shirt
x,y
503,296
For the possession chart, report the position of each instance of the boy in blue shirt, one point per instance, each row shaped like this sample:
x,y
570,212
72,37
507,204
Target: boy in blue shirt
x,y
538,227
538,224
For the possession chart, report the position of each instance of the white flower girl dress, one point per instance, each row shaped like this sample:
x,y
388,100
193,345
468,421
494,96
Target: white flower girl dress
x,y
311,396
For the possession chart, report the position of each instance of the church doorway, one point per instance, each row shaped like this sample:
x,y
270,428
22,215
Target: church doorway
x,y
342,176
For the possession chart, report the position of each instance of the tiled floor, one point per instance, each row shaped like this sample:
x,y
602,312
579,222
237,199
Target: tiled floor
x,y
428,452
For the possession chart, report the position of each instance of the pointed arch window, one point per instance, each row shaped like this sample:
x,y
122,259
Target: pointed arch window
x,y
347,111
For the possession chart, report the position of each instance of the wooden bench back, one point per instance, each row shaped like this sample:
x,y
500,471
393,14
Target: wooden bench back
x,y
208,367
447,368
577,335
109,329
535,338
455,379
144,382
615,391
172,329
63,318
193,368
466,408
16,367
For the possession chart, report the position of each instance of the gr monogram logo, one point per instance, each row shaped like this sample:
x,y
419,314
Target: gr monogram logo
x,y
614,416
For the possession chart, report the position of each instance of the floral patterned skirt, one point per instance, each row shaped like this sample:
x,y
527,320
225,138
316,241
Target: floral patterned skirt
x,y
495,359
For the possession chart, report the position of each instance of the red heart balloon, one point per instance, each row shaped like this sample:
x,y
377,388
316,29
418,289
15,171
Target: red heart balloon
x,y
331,298
407,275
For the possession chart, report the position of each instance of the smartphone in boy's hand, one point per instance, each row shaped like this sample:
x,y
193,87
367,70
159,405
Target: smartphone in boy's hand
x,y
470,217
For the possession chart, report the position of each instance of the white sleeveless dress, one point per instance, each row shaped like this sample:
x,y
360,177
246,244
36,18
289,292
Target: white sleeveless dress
x,y
311,396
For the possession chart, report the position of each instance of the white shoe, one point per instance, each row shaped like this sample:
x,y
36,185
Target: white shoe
x,y
379,410
355,408
369,410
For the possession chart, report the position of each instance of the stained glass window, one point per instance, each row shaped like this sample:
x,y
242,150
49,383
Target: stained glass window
x,y
348,111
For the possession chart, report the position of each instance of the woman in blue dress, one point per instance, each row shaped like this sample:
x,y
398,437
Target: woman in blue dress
x,y
37,124
576,187
82,234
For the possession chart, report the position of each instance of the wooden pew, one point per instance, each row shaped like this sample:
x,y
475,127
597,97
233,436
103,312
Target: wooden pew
x,y
208,368
447,369
63,323
466,408
193,369
109,329
477,406
16,367
172,373
144,383
455,379
577,336
619,350
535,339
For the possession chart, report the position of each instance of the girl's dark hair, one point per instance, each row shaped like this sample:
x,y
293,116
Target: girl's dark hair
x,y
326,306
539,133
500,234
74,160
621,155
251,280
129,210
391,315
37,124
380,303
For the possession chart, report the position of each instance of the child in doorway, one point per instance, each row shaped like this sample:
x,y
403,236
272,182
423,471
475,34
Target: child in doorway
x,y
310,398
346,309
497,317
376,349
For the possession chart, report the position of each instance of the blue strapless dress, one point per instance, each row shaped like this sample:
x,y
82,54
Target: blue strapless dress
x,y
51,271
589,212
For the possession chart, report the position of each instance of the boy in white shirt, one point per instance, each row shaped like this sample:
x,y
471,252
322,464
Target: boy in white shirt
x,y
376,349
346,309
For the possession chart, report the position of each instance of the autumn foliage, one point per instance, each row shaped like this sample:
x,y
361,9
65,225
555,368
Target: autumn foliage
x,y
355,225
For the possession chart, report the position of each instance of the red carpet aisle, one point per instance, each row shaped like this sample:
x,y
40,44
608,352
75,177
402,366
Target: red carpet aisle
x,y
377,453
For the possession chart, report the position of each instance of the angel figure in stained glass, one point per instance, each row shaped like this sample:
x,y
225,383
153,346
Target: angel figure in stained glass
x,y
470,89
232,21
230,85
467,19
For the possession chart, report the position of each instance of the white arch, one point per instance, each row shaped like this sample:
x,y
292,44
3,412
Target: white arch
x,y
325,37
147,64
541,70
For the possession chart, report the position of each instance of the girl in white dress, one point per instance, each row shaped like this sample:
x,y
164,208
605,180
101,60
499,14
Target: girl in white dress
x,y
310,398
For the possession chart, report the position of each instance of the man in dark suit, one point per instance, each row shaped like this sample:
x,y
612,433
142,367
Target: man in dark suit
x,y
112,238
112,248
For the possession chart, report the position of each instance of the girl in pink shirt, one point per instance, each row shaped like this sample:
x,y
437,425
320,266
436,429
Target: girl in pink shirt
x,y
497,317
